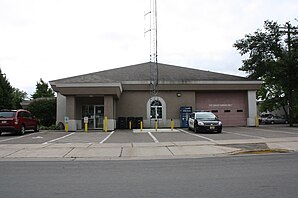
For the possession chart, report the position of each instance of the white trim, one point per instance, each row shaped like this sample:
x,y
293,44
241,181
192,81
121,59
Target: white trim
x,y
164,110
89,85
199,82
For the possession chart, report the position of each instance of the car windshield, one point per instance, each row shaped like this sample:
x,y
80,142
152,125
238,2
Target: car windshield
x,y
205,116
7,114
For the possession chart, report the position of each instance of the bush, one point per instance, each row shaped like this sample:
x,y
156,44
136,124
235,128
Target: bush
x,y
52,127
44,109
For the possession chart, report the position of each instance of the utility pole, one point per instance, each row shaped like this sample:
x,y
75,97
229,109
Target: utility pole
x,y
291,64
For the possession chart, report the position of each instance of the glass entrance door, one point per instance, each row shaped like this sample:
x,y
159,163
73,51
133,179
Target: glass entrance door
x,y
95,114
99,117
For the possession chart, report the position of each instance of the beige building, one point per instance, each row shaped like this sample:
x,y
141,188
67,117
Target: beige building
x,y
125,93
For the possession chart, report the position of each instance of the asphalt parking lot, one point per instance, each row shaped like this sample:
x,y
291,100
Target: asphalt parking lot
x,y
150,136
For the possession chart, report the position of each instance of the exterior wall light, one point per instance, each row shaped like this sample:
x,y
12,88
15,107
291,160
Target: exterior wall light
x,y
179,94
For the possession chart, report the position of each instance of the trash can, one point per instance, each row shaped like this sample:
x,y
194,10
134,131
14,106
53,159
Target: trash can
x,y
122,123
132,120
138,121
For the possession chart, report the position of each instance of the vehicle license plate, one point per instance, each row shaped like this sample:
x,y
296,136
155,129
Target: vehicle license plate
x,y
4,122
212,127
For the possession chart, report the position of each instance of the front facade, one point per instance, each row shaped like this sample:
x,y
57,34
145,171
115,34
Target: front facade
x,y
124,94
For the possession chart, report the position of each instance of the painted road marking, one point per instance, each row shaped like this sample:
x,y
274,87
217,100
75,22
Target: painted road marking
x,y
107,137
153,137
19,137
252,136
37,137
273,131
51,141
209,139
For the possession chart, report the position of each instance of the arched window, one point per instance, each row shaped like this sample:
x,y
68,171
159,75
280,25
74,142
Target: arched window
x,y
156,109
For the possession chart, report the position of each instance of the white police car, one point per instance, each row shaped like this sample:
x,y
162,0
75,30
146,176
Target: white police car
x,y
203,121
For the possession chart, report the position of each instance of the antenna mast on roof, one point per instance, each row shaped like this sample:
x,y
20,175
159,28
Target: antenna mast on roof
x,y
152,17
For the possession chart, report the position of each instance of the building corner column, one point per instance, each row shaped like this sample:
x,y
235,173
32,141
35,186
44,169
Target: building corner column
x,y
252,108
60,109
109,112
71,113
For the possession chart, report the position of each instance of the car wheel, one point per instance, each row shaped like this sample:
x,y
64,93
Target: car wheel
x,y
219,130
22,130
36,129
0,132
195,129
272,122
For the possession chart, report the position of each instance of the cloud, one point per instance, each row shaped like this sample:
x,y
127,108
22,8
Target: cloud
x,y
52,39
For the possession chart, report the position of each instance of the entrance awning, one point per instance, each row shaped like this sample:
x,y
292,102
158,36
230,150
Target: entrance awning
x,y
90,89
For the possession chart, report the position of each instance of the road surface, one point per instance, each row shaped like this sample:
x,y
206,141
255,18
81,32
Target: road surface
x,y
274,175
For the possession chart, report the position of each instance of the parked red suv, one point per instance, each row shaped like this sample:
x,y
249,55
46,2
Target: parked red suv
x,y
17,121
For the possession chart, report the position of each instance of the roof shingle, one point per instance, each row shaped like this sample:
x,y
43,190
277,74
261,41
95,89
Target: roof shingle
x,y
141,72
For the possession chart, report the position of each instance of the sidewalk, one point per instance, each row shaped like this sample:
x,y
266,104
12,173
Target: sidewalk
x,y
134,151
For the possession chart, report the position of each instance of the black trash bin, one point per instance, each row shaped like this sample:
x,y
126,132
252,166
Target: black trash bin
x,y
122,123
133,123
138,121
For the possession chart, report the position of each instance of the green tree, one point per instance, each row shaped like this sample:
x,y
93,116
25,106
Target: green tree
x,y
272,57
42,90
6,92
18,97
45,110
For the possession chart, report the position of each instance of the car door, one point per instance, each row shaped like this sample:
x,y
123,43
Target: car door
x,y
191,120
28,120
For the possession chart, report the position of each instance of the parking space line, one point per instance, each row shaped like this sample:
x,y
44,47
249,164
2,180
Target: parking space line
x,y
19,137
209,139
252,136
273,131
107,137
59,138
154,138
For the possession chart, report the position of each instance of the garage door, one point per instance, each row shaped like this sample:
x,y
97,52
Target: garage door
x,y
230,107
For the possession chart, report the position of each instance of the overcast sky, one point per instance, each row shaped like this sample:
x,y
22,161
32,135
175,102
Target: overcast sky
x,y
52,39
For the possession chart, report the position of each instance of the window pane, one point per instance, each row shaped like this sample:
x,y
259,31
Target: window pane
x,y
156,103
153,113
159,112
156,109
20,114
8,114
26,115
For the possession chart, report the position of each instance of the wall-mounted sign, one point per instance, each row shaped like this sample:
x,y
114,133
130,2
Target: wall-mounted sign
x,y
220,105
66,119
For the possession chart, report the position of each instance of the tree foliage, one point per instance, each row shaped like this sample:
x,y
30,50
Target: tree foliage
x,y
42,90
6,92
10,97
18,97
273,57
45,110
